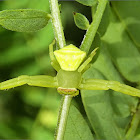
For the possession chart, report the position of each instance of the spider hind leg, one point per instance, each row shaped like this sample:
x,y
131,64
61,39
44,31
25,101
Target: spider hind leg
x,y
86,64
54,62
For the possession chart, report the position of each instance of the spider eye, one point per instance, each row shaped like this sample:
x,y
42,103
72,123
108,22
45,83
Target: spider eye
x,y
69,57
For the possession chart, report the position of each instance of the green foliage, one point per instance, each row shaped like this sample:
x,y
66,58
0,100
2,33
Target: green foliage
x,y
87,2
115,44
77,127
24,20
129,18
81,21
107,111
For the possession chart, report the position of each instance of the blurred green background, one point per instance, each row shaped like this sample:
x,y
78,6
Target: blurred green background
x,y
31,112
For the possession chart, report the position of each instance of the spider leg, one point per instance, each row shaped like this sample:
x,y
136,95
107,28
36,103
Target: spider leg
x,y
39,80
88,60
54,62
86,68
97,84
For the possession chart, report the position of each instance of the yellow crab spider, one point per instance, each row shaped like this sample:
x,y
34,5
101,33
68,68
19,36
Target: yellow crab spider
x,y
70,63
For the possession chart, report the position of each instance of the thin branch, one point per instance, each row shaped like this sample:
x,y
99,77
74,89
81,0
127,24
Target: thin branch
x,y
57,24
134,124
90,34
63,115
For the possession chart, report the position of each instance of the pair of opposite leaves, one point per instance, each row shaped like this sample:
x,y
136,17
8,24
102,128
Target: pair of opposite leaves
x,y
31,20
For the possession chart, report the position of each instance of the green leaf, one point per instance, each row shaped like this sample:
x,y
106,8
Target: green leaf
x,y
81,21
77,128
108,111
24,20
99,111
123,51
87,2
129,18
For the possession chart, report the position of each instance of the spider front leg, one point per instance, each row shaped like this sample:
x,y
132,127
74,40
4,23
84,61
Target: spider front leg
x,y
54,62
97,84
39,80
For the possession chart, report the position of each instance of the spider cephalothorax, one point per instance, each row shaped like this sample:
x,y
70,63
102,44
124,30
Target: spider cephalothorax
x,y
68,82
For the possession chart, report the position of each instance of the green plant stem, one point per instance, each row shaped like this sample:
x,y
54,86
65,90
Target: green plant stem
x,y
66,99
57,24
63,115
90,34
133,126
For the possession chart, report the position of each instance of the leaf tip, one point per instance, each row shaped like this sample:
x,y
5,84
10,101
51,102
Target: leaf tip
x,y
74,13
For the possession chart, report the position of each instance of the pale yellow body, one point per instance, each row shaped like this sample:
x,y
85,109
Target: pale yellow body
x,y
69,57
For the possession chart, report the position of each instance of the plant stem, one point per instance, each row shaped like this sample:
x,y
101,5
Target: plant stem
x,y
66,99
62,118
57,24
90,34
134,124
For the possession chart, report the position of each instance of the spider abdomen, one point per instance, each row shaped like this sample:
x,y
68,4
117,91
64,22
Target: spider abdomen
x,y
69,57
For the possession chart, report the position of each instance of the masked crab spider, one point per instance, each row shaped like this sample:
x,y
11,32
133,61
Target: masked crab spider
x,y
69,64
